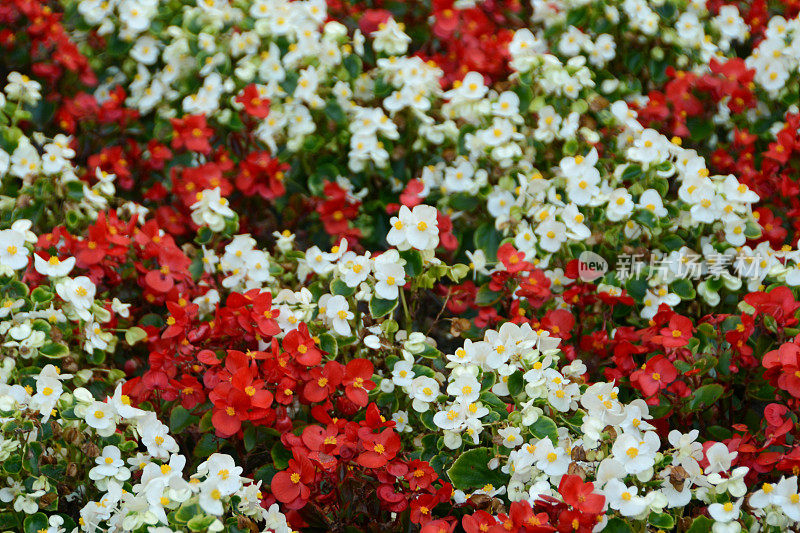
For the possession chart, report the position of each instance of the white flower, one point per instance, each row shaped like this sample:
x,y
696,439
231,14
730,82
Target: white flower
x,y
337,312
423,390
13,253
763,497
471,88
109,465
620,205
21,87
390,38
121,403
101,417
786,497
511,435
211,209
222,469
550,459
210,499
53,267
636,455
725,512
552,234
402,373
466,388
624,498
451,419
354,269
719,458
650,200
400,419
78,292
389,275
733,484
155,436
416,228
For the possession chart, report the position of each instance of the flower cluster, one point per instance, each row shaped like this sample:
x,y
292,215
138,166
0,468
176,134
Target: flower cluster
x,y
272,265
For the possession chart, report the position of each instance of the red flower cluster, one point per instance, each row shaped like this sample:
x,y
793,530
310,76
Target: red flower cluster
x,y
329,453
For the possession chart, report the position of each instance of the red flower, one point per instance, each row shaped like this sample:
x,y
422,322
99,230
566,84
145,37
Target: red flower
x,y
559,322
247,381
420,475
779,303
264,315
323,381
379,449
180,319
229,413
192,132
291,486
677,333
323,443
478,522
191,392
358,382
513,260
262,174
253,103
580,495
655,375
784,363
299,343
438,526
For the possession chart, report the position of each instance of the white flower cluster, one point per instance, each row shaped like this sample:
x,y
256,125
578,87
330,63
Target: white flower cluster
x,y
36,156
611,442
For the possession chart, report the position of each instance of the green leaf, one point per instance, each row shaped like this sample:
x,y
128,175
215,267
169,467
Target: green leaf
x,y
378,307
618,525
339,287
335,113
515,383
352,64
413,265
463,202
34,523
684,289
200,522
545,427
487,238
10,520
661,521
250,438
701,524
486,296
41,295
204,235
328,344
134,335
636,288
631,173
280,456
705,396
471,470
672,242
699,128
752,230
494,403
645,217
186,512
179,419
427,420
54,350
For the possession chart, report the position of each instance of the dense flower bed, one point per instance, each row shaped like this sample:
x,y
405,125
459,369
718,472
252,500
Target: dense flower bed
x,y
272,265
